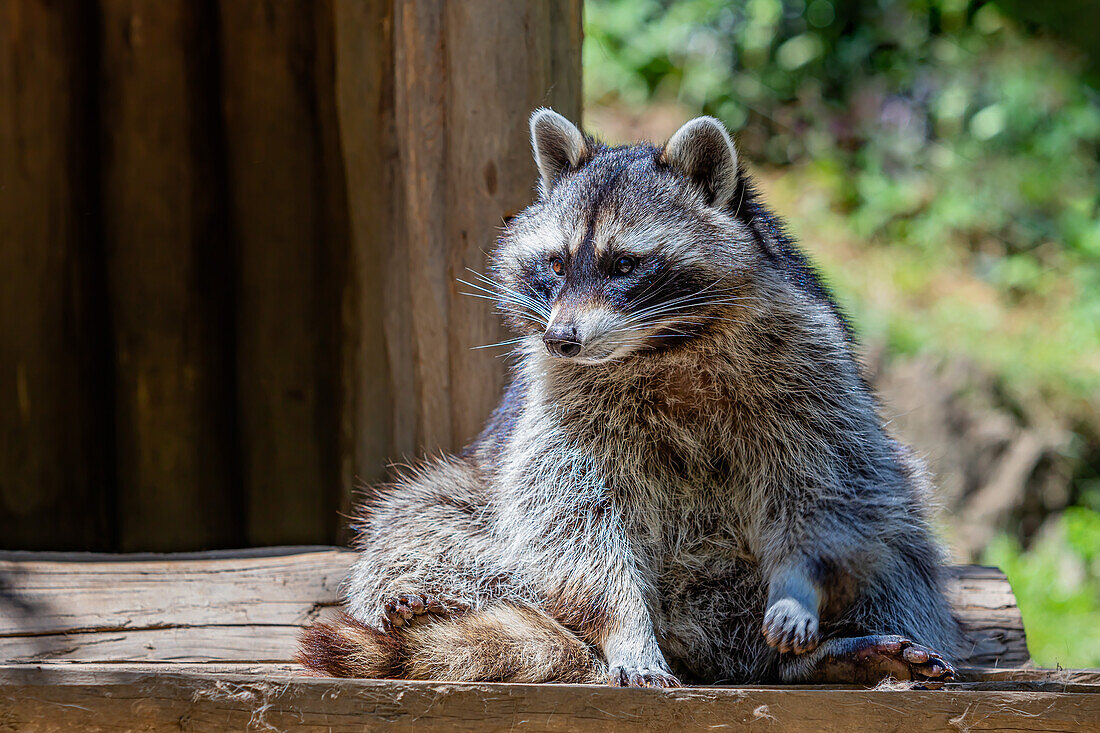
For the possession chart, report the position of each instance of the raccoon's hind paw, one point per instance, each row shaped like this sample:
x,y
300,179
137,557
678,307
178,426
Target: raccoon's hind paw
x,y
905,659
790,627
871,659
641,677
402,609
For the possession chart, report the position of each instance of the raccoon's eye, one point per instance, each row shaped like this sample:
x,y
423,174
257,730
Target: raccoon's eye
x,y
625,265
557,265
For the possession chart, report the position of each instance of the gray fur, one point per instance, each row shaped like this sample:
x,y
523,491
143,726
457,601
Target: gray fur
x,y
707,488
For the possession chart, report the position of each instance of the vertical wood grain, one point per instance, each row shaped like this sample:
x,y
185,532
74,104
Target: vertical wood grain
x,y
55,403
276,80
504,60
565,25
467,76
421,75
169,277
371,341
230,234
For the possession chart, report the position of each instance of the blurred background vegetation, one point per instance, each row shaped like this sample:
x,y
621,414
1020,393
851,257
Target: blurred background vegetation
x,y
940,160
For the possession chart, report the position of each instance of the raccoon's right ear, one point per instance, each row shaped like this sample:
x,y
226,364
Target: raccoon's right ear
x,y
557,143
703,151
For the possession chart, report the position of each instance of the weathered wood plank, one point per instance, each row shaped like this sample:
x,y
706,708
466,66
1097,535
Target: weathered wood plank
x,y
167,258
465,164
977,678
55,411
220,608
90,673
49,698
105,594
117,608
251,642
1032,674
277,83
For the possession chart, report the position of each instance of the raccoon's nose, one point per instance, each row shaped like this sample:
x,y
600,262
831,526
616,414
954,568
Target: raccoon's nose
x,y
562,342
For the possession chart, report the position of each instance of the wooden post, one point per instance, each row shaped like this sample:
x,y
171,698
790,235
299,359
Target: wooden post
x,y
503,61
466,76
169,276
55,395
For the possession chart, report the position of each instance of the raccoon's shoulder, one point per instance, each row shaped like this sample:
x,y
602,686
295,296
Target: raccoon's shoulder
x,y
780,249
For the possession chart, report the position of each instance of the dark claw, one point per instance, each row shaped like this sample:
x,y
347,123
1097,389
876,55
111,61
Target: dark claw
x,y
401,609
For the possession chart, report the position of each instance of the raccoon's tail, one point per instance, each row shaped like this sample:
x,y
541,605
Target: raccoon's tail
x,y
503,643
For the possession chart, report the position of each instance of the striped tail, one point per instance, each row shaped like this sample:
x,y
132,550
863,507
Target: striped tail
x,y
502,643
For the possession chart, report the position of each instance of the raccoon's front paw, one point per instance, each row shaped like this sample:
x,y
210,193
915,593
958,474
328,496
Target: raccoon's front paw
x,y
400,610
790,627
625,676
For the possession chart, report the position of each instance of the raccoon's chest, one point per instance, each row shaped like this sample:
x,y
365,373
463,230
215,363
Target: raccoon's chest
x,y
684,518
671,453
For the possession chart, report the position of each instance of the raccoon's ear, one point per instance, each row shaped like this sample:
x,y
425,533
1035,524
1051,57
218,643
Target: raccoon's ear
x,y
703,151
557,144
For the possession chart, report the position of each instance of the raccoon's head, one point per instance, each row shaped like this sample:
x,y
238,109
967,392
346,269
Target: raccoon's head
x,y
627,248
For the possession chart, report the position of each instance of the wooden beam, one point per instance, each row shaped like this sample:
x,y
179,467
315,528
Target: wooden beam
x,y
245,607
526,53
50,593
421,75
213,606
977,678
65,697
984,602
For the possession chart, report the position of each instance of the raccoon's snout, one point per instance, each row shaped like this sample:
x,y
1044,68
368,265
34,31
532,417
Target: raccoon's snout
x,y
562,340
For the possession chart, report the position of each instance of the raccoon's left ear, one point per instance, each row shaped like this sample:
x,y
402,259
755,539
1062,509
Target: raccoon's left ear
x,y
703,151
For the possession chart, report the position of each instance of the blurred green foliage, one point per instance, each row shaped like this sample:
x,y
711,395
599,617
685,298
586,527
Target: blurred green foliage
x,y
950,117
942,163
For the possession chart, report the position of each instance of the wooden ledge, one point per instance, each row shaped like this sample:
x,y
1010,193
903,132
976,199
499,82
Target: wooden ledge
x,y
204,641
155,697
248,606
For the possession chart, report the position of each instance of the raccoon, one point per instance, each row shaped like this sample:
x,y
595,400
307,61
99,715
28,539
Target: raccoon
x,y
687,480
